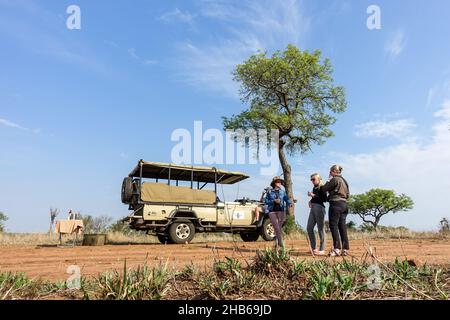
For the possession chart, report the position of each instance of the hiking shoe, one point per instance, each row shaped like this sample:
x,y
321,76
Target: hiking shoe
x,y
345,252
318,252
334,253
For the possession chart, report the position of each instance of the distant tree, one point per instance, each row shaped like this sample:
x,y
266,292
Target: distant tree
x,y
376,203
444,225
120,227
326,226
293,92
3,218
53,214
351,225
98,224
291,226
88,223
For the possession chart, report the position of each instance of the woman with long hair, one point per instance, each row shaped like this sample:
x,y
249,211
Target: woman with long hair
x,y
338,194
317,215
277,201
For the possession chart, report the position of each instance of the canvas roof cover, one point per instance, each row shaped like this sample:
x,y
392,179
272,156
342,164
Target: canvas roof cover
x,y
160,170
160,192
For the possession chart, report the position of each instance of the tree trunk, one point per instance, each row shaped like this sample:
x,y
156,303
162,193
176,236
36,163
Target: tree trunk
x,y
376,222
287,173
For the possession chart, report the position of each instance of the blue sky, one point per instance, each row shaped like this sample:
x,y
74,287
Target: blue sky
x,y
78,108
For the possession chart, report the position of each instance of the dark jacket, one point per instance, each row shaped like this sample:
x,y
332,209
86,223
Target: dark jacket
x,y
337,188
277,193
320,196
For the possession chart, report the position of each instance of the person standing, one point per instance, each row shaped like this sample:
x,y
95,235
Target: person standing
x,y
317,214
277,201
338,194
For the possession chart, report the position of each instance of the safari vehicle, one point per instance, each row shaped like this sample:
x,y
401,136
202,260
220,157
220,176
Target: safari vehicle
x,y
171,202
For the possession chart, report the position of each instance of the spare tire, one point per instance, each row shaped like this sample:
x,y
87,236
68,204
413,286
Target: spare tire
x,y
127,190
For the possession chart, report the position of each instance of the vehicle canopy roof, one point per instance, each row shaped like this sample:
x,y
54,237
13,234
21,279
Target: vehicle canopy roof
x,y
160,170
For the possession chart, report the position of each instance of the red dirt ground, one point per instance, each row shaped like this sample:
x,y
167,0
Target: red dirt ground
x,y
51,263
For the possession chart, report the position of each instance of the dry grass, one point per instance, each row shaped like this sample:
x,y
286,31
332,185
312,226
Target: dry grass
x,y
390,233
27,239
36,239
273,275
42,239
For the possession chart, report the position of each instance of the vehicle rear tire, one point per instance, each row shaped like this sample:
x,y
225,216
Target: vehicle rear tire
x,y
249,236
127,190
181,232
267,230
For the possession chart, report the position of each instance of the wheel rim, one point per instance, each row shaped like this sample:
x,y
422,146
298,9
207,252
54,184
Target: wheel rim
x,y
183,231
270,230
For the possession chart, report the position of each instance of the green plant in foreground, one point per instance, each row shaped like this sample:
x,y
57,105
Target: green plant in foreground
x,y
19,286
270,260
143,283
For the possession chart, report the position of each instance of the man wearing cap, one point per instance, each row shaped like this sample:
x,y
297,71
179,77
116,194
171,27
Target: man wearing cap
x,y
277,202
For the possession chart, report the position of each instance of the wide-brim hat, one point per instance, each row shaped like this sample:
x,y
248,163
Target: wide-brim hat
x,y
275,179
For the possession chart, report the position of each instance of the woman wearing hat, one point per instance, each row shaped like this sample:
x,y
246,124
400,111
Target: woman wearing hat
x,y
277,202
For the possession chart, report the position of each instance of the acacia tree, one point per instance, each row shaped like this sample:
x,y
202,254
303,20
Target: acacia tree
x,y
98,224
53,214
444,225
376,203
292,92
3,218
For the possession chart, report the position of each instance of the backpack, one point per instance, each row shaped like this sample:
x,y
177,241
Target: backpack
x,y
346,184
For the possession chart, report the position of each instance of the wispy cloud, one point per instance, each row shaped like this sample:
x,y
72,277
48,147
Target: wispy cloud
x,y
248,27
409,167
10,124
382,129
430,96
177,15
111,43
395,44
145,62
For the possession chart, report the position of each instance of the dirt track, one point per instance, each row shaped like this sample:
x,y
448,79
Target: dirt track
x,y
51,262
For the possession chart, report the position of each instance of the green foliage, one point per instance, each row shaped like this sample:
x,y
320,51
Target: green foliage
x,y
273,275
272,261
291,226
120,227
19,286
292,91
444,225
3,218
143,283
351,225
333,281
98,224
228,277
374,204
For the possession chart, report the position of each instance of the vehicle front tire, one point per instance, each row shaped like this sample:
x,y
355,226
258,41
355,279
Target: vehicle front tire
x,y
267,230
181,232
249,236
